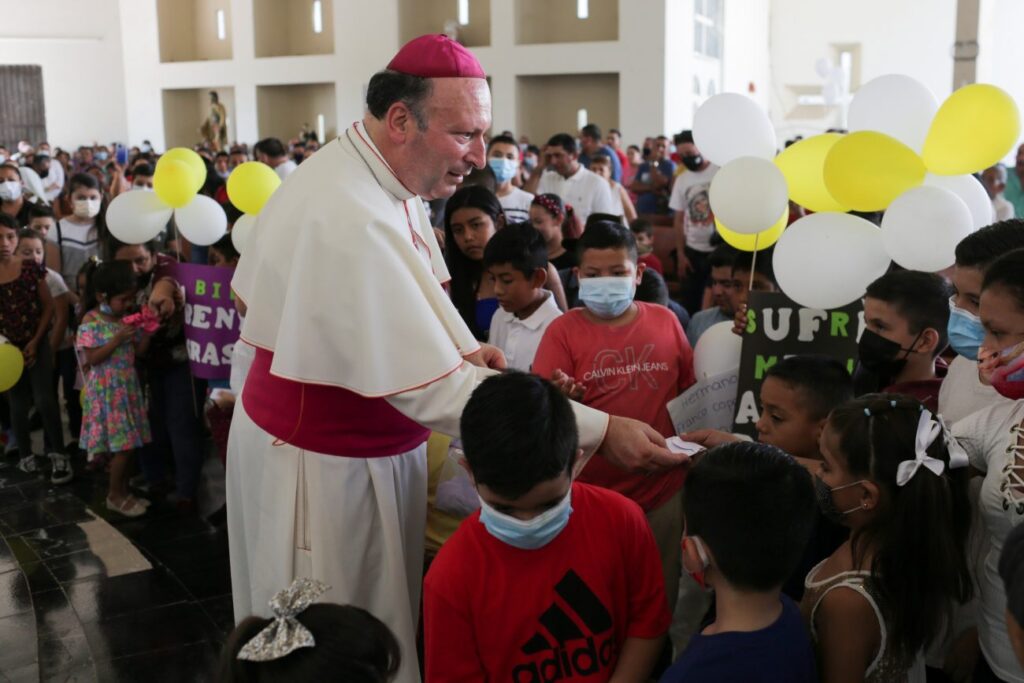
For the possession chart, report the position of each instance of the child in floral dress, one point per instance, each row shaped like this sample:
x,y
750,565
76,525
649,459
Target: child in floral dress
x,y
114,412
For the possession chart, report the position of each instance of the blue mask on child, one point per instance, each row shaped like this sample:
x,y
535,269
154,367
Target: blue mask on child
x,y
527,534
965,332
105,309
504,169
607,297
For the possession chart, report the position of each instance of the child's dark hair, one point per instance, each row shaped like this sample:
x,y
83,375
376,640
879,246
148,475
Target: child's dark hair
x,y
919,533
556,208
652,288
607,235
39,211
504,140
823,383
723,255
762,261
226,248
922,299
753,550
981,248
642,227
115,245
351,645
519,245
466,272
517,431
1008,273
1011,570
109,278
9,222
30,234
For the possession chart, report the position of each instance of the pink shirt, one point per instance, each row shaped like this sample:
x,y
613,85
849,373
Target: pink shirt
x,y
632,371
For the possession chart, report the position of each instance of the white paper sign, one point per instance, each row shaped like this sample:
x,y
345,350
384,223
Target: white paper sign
x,y
708,404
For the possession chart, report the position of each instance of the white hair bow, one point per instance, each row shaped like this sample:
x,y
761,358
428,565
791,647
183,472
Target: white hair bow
x,y
285,634
927,431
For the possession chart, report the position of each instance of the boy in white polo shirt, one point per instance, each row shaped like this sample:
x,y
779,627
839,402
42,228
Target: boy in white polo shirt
x,y
516,258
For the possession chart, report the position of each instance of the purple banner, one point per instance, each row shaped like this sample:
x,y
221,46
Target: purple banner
x,y
212,323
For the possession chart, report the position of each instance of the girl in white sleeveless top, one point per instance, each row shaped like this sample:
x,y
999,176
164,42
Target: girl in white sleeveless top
x,y
874,604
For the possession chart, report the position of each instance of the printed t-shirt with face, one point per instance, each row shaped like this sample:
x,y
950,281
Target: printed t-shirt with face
x,y
560,612
630,370
690,195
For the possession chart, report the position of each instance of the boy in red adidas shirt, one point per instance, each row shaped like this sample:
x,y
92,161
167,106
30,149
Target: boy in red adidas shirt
x,y
551,579
625,358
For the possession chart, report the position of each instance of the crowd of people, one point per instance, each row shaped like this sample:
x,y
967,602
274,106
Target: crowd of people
x,y
871,532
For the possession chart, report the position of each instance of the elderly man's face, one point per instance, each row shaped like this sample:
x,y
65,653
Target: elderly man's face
x,y
435,161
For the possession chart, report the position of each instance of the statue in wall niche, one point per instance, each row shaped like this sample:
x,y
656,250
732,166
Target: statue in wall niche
x,y
215,128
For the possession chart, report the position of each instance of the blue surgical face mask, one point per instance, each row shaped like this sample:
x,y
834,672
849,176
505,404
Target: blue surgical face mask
x,y
965,331
527,534
105,309
607,297
504,169
101,156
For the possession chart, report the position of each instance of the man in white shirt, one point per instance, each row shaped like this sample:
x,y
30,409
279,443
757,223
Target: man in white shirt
x,y
694,222
328,474
272,152
585,190
994,180
503,158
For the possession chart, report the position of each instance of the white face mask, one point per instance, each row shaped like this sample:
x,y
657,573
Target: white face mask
x,y
87,208
10,190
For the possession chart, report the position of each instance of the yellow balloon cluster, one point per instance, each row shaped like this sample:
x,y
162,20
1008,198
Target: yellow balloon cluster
x,y
974,128
803,165
866,170
180,173
756,242
250,186
12,363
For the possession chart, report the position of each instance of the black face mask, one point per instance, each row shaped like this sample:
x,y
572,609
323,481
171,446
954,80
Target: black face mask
x,y
43,174
647,152
142,280
693,162
882,357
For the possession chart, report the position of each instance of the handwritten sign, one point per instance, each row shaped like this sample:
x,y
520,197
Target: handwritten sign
x,y
777,328
708,404
212,323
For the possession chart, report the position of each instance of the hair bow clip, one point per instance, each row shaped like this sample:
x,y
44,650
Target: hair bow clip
x,y
285,634
927,431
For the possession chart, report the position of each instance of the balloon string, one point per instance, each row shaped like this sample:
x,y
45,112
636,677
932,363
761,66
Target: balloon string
x,y
753,261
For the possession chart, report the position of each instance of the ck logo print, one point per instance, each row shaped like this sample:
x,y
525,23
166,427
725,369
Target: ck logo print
x,y
574,637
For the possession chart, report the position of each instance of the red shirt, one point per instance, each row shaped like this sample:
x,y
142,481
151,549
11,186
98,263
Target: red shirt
x,y
492,612
632,371
653,262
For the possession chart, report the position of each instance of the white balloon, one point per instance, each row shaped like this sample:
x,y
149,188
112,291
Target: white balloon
x,y
921,228
137,217
717,350
896,105
970,190
729,126
748,195
242,231
827,260
202,221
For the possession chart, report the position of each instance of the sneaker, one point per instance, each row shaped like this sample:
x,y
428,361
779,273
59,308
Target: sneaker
x,y
62,472
129,507
28,464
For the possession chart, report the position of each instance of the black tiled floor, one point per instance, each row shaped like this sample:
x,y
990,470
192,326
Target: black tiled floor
x,y
65,617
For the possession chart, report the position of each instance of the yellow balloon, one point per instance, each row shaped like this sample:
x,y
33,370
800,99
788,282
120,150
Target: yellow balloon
x,y
194,162
174,183
974,128
12,363
866,170
759,241
250,186
803,165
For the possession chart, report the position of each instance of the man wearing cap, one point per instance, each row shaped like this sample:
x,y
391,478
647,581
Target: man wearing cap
x,y
360,353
